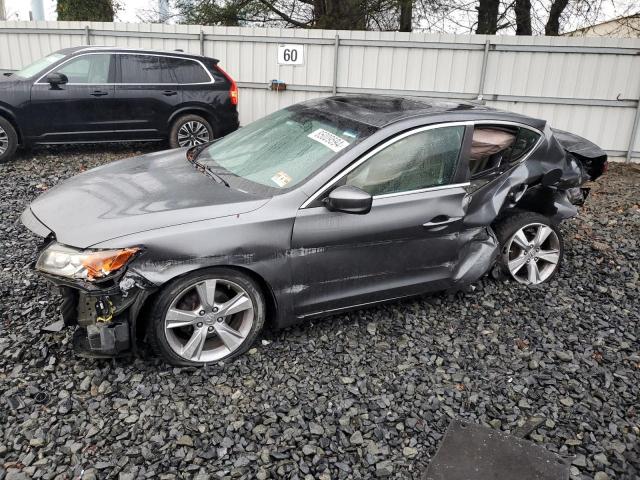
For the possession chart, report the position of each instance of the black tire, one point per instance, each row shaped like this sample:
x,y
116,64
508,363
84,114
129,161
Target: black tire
x,y
156,328
507,227
8,140
182,121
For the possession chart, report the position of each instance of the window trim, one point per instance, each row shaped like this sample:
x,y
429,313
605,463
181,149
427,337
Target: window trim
x,y
381,147
106,52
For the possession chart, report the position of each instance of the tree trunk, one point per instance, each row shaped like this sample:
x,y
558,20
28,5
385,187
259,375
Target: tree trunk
x,y
523,17
553,23
340,14
488,17
406,15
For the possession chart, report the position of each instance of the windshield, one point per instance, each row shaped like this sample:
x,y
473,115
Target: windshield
x,y
283,149
39,65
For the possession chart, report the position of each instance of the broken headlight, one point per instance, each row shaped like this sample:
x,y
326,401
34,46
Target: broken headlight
x,y
83,264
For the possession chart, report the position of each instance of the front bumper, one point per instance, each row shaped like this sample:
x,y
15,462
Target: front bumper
x,y
104,316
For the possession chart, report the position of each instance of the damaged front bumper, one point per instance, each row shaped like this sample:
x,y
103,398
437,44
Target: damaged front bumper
x,y
104,314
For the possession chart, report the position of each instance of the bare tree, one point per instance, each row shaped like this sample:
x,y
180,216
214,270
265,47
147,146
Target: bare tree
x,y
522,10
553,23
488,16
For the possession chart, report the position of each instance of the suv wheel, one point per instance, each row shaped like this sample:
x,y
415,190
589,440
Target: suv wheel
x,y
531,247
207,316
8,140
189,131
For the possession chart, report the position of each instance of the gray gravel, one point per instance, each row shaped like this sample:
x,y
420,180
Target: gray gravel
x,y
362,395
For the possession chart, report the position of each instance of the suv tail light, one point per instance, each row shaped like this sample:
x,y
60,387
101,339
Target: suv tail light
x,y
233,91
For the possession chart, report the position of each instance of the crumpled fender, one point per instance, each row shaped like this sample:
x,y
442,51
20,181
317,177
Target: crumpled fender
x,y
480,249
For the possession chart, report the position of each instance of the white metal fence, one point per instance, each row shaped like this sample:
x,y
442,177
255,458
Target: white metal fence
x,y
589,86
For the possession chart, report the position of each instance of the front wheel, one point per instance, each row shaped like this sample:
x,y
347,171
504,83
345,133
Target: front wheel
x,y
531,247
8,140
207,316
190,131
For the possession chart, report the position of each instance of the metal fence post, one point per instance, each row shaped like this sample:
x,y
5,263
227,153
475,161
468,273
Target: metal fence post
x,y
87,35
336,46
483,71
634,132
201,43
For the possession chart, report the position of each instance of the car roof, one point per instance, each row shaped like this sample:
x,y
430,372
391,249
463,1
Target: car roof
x,y
105,48
382,110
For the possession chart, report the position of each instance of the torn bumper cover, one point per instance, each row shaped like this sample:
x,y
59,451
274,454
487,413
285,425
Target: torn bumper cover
x,y
104,317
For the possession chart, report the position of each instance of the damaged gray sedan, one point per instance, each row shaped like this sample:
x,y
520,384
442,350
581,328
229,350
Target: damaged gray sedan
x,y
321,207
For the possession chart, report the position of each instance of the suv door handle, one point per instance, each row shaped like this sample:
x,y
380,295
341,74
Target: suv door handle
x,y
440,220
99,93
169,93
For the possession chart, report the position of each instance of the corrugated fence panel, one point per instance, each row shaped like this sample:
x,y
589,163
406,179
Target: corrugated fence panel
x,y
589,86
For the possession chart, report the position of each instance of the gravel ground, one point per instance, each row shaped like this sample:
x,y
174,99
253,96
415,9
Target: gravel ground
x,y
359,395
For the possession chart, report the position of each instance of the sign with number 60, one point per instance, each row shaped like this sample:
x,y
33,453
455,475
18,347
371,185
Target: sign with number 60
x,y
291,54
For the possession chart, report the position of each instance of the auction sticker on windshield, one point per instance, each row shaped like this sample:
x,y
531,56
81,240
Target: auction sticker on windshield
x,y
328,139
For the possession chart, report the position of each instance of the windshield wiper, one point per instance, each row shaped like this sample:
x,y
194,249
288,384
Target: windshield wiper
x,y
207,170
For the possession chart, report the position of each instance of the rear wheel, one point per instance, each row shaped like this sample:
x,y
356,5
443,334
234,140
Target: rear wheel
x,y
190,131
8,140
531,247
206,317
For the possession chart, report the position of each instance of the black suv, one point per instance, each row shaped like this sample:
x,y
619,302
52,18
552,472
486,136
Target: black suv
x,y
107,94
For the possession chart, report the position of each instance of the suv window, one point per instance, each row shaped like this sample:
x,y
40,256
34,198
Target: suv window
x,y
421,160
186,71
90,69
144,69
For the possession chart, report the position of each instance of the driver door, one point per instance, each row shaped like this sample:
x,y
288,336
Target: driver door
x,y
406,244
81,109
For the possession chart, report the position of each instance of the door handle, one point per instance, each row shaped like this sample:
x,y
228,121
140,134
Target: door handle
x,y
169,93
99,93
440,220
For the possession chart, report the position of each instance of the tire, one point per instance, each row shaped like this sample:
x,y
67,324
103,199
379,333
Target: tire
x,y
197,127
184,336
522,256
8,140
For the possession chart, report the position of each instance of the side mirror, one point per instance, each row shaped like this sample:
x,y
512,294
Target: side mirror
x,y
55,79
349,199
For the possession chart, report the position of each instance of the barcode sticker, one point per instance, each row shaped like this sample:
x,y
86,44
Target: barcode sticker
x,y
328,139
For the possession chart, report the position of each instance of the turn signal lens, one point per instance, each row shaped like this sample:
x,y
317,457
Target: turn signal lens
x,y
103,263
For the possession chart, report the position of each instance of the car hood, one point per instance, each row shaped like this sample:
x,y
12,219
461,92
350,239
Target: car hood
x,y
134,195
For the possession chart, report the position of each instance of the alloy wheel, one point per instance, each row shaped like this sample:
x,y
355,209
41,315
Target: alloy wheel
x,y
533,253
209,320
192,133
4,141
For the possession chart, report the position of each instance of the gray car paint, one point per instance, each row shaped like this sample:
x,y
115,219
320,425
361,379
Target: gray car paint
x,y
310,261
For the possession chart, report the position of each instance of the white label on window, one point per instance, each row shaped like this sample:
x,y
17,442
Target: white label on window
x,y
291,54
281,179
328,139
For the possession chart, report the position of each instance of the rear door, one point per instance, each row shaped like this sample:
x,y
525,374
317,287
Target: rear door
x,y
406,244
80,110
146,95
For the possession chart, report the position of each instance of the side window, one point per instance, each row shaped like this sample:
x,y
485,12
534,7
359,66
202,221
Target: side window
x,y
187,71
490,146
87,69
424,159
143,69
525,141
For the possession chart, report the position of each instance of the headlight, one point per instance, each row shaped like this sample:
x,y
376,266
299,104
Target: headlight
x,y
84,264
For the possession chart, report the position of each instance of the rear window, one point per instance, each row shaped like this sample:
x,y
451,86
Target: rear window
x,y
143,69
187,71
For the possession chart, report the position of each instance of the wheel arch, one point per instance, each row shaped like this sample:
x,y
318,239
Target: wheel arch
x,y
10,117
195,109
271,303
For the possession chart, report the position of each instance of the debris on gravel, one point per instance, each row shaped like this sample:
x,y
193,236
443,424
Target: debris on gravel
x,y
368,394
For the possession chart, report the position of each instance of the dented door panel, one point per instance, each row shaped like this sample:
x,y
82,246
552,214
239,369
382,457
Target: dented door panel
x,y
396,249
